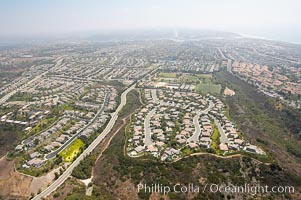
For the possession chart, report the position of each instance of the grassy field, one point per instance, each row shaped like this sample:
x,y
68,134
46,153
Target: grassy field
x,y
72,150
190,79
215,140
204,78
43,125
154,66
208,88
168,75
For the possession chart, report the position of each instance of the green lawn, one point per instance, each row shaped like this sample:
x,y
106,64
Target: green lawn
x,y
215,140
208,88
72,150
154,66
205,78
43,125
168,75
190,78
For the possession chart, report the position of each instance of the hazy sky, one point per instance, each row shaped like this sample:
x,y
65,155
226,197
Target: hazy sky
x,y
276,19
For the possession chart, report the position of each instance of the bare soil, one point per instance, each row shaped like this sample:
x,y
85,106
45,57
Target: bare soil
x,y
15,185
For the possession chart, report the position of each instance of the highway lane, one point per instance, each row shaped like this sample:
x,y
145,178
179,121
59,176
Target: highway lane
x,y
87,151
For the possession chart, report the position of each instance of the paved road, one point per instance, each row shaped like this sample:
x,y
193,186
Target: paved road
x,y
223,138
7,96
154,95
61,148
147,130
196,135
229,66
79,78
87,151
221,52
211,105
283,59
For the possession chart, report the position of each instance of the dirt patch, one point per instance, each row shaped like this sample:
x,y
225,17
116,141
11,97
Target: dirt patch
x,y
12,184
5,168
66,189
126,190
42,182
20,186
156,196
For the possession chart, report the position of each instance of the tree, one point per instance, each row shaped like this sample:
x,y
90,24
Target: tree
x,y
56,175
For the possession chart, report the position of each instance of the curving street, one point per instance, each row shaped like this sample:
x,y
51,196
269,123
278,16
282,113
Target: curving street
x,y
223,137
196,135
154,96
147,130
61,148
87,151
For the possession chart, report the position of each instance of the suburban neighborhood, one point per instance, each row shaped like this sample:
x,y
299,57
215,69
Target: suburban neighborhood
x,y
176,121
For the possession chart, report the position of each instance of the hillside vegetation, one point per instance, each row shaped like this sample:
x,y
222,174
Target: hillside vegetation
x,y
115,171
278,131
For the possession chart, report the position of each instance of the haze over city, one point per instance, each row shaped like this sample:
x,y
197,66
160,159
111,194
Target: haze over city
x,y
270,19
150,99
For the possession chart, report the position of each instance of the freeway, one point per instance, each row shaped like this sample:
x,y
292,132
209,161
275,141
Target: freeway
x,y
61,148
87,151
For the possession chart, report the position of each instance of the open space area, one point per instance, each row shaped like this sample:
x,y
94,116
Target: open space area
x,y
211,88
72,151
87,119
167,75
